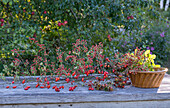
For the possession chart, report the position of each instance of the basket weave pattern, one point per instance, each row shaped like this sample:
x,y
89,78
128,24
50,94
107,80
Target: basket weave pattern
x,y
148,79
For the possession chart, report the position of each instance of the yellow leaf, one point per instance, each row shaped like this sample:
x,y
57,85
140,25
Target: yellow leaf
x,y
132,54
158,66
136,51
153,56
122,11
3,55
147,52
122,26
152,61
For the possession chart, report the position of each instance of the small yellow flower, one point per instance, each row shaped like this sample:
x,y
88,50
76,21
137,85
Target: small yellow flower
x,y
28,0
41,17
50,22
16,16
29,16
45,18
49,26
56,22
3,55
140,63
45,27
143,26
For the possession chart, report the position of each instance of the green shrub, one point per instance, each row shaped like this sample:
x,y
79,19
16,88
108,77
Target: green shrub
x,y
115,23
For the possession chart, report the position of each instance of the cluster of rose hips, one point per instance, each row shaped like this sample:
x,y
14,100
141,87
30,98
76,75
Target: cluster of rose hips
x,y
72,88
105,69
16,86
62,24
2,22
57,89
121,81
90,85
120,78
40,84
130,17
105,87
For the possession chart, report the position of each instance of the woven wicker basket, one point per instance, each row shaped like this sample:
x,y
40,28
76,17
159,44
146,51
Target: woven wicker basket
x,y
148,79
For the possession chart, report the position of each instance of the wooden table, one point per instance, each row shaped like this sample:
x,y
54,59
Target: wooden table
x,y
129,97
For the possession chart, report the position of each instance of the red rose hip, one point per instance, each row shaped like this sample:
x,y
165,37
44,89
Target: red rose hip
x,y
12,82
2,20
128,18
14,87
131,17
59,24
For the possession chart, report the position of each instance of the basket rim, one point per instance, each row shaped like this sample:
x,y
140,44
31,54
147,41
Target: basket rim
x,y
160,71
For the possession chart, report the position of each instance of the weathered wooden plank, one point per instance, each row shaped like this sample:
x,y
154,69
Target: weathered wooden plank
x,y
135,104
82,97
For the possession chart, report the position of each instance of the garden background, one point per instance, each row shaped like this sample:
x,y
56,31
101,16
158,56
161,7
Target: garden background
x,y
121,25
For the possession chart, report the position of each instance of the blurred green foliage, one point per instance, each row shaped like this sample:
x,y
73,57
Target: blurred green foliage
x,y
118,24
